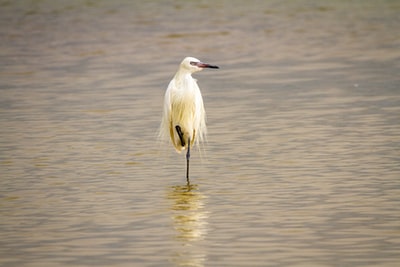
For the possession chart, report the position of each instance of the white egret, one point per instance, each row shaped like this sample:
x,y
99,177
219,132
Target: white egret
x,y
184,118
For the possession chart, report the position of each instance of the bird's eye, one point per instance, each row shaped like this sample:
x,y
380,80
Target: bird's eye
x,y
193,63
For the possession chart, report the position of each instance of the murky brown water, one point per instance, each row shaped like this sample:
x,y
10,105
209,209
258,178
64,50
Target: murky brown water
x,y
302,165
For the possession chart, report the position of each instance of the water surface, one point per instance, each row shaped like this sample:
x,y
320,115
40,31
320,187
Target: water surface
x,y
302,163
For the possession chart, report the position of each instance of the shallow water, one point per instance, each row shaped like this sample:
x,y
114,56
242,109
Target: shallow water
x,y
302,163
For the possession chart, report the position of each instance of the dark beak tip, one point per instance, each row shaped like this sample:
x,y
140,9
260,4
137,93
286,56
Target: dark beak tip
x,y
204,65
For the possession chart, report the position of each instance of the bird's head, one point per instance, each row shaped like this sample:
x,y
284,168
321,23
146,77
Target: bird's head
x,y
192,65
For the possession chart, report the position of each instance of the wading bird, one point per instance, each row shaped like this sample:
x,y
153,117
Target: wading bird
x,y
184,118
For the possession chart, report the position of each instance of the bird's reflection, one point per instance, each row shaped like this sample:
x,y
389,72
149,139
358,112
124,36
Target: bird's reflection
x,y
190,222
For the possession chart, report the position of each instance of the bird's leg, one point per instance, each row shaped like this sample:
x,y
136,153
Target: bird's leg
x,y
187,160
180,134
181,138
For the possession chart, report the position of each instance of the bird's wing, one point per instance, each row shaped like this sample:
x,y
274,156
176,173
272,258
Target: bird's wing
x,y
165,122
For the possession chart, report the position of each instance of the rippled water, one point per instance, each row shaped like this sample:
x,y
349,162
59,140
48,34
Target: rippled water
x,y
302,164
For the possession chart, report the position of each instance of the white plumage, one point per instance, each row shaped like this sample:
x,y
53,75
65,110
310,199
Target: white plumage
x,y
184,117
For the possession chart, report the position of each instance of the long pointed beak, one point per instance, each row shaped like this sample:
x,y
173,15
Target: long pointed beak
x,y
204,65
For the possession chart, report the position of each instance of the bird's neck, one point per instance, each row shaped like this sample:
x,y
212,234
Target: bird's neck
x,y
184,77
184,84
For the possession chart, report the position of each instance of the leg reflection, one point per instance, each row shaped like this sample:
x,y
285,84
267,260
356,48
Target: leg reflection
x,y
190,223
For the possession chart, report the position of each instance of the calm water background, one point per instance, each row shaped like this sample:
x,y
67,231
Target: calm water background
x,y
302,164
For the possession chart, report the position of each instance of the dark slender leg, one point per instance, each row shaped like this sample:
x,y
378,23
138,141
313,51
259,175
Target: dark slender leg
x,y
187,160
180,134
